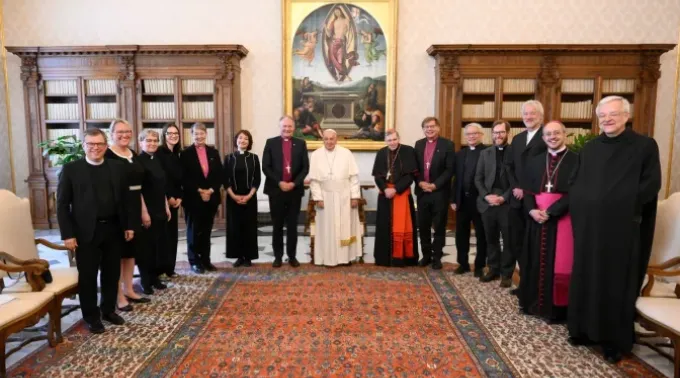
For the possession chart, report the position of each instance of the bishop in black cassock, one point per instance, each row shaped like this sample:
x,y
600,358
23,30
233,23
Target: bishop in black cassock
x,y
548,255
394,169
612,203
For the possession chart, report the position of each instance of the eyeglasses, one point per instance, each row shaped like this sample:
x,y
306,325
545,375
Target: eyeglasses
x,y
612,115
91,145
556,133
499,132
170,133
151,140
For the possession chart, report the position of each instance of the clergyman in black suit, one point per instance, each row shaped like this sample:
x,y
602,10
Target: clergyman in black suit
x,y
464,202
523,147
436,162
94,221
201,182
285,164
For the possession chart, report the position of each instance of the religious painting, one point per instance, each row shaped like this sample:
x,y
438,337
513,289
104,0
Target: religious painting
x,y
340,70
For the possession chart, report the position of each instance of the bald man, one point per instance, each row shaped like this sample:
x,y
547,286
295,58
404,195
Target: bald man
x,y
334,183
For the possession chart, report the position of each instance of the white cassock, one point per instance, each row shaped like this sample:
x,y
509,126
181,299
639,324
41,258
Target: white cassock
x,y
335,181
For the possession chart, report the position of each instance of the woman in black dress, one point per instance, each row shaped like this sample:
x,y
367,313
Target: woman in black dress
x,y
121,136
155,213
242,179
169,155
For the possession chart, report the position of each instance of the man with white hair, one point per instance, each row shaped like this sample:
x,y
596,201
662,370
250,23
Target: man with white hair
x,y
334,185
612,202
523,147
464,202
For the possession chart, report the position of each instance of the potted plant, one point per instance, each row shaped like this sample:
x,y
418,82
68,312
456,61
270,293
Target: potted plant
x,y
580,141
62,150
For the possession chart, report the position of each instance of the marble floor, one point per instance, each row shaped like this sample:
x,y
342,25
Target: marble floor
x,y
267,256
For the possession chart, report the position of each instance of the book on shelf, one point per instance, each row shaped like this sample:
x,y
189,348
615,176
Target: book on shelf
x,y
198,110
61,87
577,110
58,112
483,110
512,109
618,86
585,86
58,133
103,110
527,86
201,86
101,87
159,86
479,85
158,110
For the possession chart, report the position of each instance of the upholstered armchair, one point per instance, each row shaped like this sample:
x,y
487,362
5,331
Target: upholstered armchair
x,y
658,308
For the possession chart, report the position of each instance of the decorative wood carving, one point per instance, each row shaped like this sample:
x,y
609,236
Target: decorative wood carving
x,y
128,65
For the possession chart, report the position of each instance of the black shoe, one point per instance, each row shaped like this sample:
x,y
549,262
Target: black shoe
x,y
515,291
506,282
479,273
293,262
210,267
461,269
437,264
612,355
159,285
425,261
96,327
238,262
138,300
113,318
148,290
126,308
277,262
247,263
197,269
490,277
578,341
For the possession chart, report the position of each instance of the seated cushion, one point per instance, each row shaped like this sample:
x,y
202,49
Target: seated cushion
x,y
663,311
62,280
22,305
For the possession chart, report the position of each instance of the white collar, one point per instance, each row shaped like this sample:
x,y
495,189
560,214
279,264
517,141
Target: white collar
x,y
558,151
91,162
472,148
241,152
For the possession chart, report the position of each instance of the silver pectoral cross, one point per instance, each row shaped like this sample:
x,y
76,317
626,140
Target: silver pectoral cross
x,y
549,186
427,165
288,168
388,175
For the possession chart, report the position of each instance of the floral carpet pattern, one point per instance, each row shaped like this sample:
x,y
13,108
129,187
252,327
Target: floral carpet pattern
x,y
361,321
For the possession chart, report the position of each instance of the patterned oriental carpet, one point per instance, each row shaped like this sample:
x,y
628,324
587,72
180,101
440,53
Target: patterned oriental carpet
x,y
361,321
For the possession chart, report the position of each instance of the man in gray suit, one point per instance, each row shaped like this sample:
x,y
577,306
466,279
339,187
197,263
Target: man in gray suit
x,y
493,203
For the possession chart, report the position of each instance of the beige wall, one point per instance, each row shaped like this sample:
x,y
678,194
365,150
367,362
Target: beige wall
x,y
256,24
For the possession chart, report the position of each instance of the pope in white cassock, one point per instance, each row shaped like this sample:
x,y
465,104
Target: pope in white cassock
x,y
334,183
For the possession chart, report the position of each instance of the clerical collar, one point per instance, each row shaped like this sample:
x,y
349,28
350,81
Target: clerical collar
x,y
433,140
241,152
558,152
531,134
500,148
286,139
92,162
472,148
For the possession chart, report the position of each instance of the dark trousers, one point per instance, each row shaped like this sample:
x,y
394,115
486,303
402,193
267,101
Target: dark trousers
x,y
496,223
150,263
433,212
102,252
518,221
285,209
199,229
171,238
465,215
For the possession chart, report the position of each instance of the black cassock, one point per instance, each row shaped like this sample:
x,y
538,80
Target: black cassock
x,y
538,272
402,168
612,203
241,174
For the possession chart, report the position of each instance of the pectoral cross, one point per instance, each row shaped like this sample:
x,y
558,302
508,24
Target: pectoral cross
x,y
549,186
388,175
427,165
288,168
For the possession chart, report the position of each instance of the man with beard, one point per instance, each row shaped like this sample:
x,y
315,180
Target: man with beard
x,y
493,201
547,259
524,146
612,203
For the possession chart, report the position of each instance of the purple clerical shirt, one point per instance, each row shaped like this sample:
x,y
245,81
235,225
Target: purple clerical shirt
x,y
287,147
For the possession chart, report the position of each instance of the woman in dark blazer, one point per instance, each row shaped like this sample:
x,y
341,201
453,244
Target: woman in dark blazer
x,y
202,177
169,155
242,179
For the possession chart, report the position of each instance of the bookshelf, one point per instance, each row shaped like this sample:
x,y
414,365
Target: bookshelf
x,y
69,89
482,83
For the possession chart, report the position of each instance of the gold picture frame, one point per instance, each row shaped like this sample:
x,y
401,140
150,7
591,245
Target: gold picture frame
x,y
339,69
